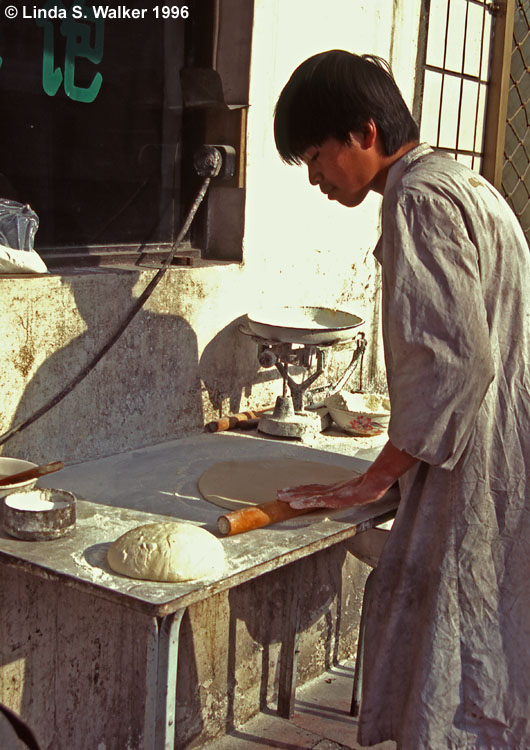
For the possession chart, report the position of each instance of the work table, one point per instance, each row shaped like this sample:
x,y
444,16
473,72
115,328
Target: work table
x,y
158,483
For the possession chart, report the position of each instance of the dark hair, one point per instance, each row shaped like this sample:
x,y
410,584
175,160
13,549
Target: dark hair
x,y
336,93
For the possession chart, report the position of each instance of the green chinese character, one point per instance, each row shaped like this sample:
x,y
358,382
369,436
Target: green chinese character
x,y
77,33
52,77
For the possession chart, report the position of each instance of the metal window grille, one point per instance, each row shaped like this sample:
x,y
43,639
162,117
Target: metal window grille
x,y
516,166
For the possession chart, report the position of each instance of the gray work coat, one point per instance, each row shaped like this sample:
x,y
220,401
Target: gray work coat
x,y
447,660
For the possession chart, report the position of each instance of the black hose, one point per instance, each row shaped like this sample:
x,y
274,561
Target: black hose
x,y
136,307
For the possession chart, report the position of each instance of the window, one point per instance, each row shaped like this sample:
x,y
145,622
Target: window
x,y
95,136
454,85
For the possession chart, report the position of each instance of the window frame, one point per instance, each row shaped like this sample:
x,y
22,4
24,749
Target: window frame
x,y
217,230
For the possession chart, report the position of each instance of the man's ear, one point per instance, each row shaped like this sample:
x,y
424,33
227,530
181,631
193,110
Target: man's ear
x,y
369,134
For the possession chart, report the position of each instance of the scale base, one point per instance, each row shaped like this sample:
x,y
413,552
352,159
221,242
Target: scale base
x,y
285,422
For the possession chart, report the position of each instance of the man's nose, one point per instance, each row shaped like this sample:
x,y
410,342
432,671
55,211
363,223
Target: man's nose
x,y
313,174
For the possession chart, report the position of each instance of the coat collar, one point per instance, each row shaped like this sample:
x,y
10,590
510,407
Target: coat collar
x,y
397,169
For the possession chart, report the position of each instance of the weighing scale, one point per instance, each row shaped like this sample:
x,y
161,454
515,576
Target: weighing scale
x,y
300,337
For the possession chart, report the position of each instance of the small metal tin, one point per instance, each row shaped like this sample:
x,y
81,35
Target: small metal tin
x,y
39,514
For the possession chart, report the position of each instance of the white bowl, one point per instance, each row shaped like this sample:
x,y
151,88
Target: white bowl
x,y
361,414
360,423
14,466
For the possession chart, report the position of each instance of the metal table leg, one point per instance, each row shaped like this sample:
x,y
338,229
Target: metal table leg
x,y
289,651
359,661
162,682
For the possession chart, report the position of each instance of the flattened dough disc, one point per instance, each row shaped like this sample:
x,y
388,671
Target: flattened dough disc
x,y
241,484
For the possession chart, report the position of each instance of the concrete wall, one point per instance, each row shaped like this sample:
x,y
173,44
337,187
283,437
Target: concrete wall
x,y
182,361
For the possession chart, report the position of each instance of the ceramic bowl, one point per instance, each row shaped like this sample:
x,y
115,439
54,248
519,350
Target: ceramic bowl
x,y
14,466
361,414
360,423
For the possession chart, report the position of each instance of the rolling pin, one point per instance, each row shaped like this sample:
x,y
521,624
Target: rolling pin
x,y
256,517
236,420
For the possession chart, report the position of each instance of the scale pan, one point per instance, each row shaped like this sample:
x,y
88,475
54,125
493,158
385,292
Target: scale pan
x,y
303,325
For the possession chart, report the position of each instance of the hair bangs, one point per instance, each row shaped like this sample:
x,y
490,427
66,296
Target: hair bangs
x,y
308,112
296,130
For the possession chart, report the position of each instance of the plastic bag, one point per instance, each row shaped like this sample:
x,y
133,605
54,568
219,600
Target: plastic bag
x,y
18,227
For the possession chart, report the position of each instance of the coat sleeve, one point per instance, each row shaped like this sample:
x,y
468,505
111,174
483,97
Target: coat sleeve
x,y
437,340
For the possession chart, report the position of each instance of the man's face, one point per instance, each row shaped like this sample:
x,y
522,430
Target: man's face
x,y
344,172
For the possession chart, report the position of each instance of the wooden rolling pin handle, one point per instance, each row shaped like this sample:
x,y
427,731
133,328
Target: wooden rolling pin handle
x,y
255,518
228,423
37,471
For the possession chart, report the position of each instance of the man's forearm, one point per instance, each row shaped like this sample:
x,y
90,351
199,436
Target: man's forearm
x,y
390,464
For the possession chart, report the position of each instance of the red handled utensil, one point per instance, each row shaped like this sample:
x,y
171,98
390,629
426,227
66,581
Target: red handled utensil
x,y
36,471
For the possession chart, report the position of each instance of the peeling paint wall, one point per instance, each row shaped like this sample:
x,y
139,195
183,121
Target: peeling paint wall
x,y
161,379
182,361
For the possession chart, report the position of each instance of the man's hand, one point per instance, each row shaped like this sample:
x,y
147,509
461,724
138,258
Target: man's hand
x,y
366,488
354,491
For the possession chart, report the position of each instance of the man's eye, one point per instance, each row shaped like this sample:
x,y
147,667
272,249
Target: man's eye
x,y
308,158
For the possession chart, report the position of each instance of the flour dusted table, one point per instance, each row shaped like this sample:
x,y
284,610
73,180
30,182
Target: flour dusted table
x,y
68,584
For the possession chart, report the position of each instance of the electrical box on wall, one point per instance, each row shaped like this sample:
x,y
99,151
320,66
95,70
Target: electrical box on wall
x,y
229,126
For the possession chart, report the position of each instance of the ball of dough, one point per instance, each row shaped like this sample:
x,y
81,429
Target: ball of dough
x,y
173,551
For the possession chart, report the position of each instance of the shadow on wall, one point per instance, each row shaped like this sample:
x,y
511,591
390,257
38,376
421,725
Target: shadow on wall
x,y
256,629
146,389
302,595
229,369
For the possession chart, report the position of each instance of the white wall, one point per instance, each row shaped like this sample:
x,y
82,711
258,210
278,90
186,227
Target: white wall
x,y
310,250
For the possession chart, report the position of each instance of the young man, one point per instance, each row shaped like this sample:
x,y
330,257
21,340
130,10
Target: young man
x,y
447,665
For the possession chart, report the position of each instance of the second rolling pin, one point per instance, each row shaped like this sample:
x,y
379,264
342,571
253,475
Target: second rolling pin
x,y
236,420
256,517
